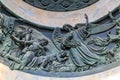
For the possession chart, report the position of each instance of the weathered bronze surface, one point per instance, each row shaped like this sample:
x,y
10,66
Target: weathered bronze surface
x,y
25,51
51,19
75,49
60,5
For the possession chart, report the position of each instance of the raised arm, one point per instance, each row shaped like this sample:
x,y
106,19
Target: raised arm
x,y
17,40
87,21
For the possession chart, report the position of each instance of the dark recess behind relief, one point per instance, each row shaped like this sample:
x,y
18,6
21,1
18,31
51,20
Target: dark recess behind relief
x,y
48,32
60,5
79,50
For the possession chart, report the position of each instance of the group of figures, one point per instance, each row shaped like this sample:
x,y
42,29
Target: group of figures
x,y
24,48
60,5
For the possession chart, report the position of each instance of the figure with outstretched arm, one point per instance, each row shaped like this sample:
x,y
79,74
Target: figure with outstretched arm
x,y
21,42
35,48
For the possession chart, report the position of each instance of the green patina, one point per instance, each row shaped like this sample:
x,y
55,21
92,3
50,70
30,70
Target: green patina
x,y
60,5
